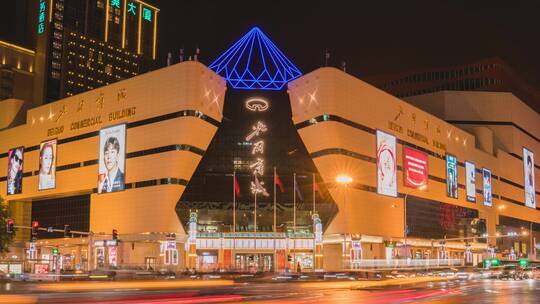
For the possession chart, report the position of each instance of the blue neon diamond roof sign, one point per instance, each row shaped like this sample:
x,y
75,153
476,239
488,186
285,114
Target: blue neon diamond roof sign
x,y
255,62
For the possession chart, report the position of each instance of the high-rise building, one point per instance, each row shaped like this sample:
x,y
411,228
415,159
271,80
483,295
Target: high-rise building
x,y
86,44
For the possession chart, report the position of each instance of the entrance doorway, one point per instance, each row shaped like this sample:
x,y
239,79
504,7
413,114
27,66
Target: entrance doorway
x,y
254,262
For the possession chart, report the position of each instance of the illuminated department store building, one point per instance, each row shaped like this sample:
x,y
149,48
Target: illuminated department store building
x,y
348,165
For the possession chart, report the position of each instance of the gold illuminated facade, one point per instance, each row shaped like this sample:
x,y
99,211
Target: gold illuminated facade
x,y
171,115
337,117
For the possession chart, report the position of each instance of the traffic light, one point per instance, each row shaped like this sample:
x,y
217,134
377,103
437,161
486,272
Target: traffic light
x,y
35,227
55,251
10,225
66,231
114,234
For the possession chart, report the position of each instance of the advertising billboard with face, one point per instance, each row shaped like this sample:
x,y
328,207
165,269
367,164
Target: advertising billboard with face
x,y
470,177
47,165
528,171
15,170
386,164
451,176
486,173
112,152
415,167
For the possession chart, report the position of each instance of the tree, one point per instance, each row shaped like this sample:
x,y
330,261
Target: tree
x,y
5,237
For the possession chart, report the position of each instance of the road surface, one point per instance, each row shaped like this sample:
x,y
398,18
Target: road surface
x,y
222,291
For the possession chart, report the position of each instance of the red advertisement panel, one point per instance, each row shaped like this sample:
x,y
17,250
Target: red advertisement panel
x,y
415,167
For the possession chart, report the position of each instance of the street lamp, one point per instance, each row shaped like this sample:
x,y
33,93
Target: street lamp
x,y
344,180
421,188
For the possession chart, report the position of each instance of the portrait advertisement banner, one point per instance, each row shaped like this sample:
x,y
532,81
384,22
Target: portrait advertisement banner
x,y
386,164
112,152
528,171
415,168
451,176
47,165
470,180
486,173
15,170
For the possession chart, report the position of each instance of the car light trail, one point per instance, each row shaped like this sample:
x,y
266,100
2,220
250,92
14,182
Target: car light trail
x,y
82,286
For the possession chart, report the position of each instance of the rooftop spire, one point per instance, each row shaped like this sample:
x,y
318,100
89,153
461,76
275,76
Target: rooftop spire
x,y
255,62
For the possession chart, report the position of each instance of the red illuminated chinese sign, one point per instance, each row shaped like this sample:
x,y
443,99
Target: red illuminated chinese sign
x,y
415,166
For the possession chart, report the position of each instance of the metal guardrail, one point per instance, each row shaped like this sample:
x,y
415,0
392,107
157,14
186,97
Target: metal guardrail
x,y
406,263
258,235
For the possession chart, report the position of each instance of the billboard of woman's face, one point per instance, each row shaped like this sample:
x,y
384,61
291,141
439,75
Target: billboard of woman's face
x,y
487,187
528,171
47,165
15,171
470,172
112,148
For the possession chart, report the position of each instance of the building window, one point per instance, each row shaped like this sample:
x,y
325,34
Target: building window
x,y
57,45
57,35
56,65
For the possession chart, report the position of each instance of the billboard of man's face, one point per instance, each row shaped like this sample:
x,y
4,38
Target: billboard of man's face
x,y
451,176
15,170
112,147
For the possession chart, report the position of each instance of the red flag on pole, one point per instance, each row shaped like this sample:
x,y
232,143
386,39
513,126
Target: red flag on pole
x,y
278,182
236,187
317,189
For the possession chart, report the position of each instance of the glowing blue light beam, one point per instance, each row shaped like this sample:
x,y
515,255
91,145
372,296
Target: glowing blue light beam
x,y
255,62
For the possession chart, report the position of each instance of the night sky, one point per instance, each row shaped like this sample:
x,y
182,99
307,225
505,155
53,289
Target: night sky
x,y
373,38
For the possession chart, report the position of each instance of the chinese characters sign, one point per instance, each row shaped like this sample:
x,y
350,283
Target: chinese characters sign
x,y
257,166
41,17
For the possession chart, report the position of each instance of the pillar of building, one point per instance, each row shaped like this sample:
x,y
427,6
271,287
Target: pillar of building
x,y
317,243
191,260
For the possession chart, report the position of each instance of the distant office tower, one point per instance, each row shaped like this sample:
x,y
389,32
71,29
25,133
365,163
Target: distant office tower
x,y
85,44
490,74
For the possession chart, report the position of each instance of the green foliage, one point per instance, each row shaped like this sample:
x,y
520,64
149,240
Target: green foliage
x,y
5,238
